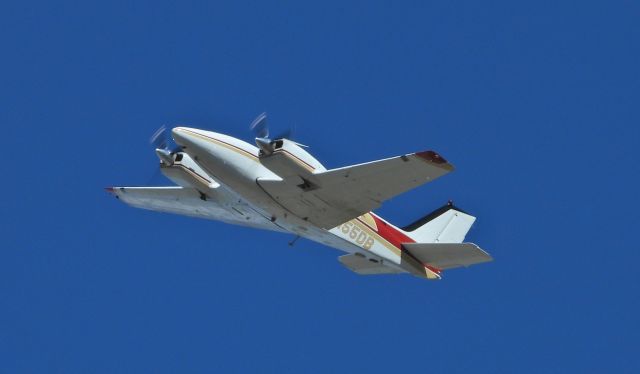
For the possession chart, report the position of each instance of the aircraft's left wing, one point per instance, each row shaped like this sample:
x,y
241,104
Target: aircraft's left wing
x,y
332,197
190,202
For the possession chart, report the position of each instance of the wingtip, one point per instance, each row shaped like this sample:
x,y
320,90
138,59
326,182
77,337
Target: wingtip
x,y
435,158
431,156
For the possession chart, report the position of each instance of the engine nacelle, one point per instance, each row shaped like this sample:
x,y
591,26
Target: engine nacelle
x,y
184,171
288,159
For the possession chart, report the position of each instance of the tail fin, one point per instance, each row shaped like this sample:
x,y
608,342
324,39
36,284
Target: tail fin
x,y
447,224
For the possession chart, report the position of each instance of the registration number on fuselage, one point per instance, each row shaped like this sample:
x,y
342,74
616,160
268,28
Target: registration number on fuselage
x,y
357,235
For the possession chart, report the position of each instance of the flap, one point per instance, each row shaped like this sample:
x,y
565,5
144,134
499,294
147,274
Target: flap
x,y
447,255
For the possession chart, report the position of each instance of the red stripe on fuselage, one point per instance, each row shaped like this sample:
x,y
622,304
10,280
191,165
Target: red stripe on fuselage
x,y
390,233
396,238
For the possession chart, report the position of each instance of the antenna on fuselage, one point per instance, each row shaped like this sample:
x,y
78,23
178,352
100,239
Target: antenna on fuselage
x,y
292,242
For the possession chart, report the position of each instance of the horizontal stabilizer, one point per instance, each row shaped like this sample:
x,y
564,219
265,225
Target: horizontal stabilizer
x,y
361,265
447,255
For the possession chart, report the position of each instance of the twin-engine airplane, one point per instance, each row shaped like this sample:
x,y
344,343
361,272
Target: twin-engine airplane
x,y
279,186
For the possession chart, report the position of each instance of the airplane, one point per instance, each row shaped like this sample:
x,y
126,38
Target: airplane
x,y
277,185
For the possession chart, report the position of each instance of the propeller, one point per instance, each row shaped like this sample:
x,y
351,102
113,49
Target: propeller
x,y
160,138
260,129
259,126
164,145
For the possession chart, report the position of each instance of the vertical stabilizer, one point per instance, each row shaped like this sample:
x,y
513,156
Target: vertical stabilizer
x,y
447,224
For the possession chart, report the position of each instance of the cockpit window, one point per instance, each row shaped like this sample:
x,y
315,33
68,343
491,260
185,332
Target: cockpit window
x,y
179,156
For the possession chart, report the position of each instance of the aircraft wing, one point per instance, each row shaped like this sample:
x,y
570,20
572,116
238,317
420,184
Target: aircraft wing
x,y
189,202
335,196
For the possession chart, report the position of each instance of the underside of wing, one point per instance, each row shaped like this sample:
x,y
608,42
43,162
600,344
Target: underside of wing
x,y
332,197
363,266
191,202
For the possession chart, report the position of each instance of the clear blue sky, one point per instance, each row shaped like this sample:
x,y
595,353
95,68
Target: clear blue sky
x,y
536,104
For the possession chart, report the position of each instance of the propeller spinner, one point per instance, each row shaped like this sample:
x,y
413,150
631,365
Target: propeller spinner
x,y
260,129
161,141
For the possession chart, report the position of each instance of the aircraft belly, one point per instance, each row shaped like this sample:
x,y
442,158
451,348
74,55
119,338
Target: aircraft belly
x,y
336,239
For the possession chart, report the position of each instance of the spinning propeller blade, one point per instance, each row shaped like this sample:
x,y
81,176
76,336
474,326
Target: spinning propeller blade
x,y
161,140
260,129
259,126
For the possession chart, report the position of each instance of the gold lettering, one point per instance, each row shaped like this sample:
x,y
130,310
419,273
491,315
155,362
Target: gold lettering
x,y
346,227
368,244
354,232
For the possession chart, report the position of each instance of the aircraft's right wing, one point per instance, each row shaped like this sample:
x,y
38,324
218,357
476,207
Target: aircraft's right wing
x,y
335,196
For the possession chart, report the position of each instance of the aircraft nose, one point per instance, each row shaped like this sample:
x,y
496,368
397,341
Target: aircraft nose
x,y
191,140
181,136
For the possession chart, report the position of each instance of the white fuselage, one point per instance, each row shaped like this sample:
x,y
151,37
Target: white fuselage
x,y
236,166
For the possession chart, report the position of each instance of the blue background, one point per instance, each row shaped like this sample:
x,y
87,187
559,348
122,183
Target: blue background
x,y
535,103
